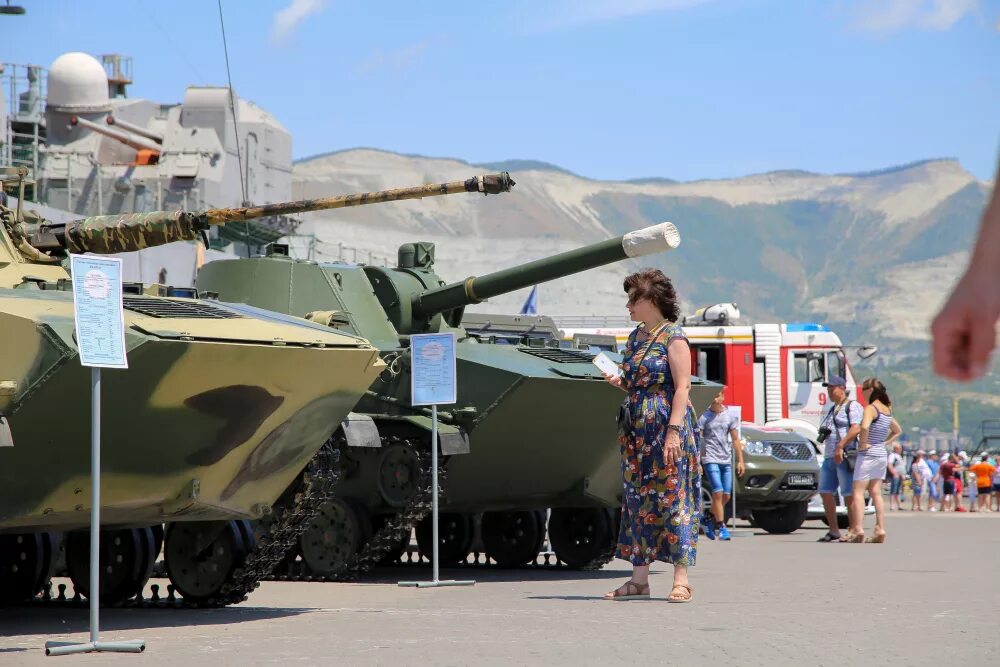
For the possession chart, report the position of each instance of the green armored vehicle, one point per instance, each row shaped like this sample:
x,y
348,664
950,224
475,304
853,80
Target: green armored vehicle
x,y
218,420
533,426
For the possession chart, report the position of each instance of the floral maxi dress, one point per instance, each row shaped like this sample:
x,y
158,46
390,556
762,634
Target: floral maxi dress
x,y
662,504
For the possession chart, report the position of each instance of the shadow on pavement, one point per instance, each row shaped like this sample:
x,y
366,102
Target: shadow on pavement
x,y
572,598
386,575
61,620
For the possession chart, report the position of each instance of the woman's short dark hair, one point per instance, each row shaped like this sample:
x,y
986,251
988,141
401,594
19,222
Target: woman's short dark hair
x,y
878,390
653,285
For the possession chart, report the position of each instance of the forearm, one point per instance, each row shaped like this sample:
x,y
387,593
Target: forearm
x,y
986,253
678,408
852,434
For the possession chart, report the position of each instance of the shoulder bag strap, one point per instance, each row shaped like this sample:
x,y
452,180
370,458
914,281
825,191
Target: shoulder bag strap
x,y
652,339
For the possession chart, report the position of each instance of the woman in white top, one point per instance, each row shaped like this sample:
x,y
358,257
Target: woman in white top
x,y
878,429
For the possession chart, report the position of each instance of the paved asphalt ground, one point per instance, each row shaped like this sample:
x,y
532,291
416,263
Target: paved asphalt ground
x,y
928,596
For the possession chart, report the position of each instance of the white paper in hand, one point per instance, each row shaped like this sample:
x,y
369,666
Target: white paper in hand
x,y
607,365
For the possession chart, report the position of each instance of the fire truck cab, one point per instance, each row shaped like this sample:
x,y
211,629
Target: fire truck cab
x,y
774,371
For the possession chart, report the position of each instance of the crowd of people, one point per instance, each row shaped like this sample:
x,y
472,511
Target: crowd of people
x,y
938,482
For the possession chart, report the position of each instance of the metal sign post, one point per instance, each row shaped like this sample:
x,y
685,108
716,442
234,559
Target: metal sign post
x,y
433,382
100,337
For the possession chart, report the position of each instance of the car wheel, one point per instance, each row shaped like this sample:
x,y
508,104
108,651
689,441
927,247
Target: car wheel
x,y
782,520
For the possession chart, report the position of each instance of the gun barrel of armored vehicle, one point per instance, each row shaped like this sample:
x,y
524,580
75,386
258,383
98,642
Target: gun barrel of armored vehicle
x,y
129,139
646,241
105,234
134,129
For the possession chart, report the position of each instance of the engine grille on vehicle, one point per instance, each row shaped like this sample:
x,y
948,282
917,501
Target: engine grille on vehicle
x,y
158,307
791,451
557,355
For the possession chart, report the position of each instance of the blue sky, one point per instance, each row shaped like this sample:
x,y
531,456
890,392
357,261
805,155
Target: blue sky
x,y
681,89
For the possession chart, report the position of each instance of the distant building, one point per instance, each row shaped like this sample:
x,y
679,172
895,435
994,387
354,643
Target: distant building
x,y
941,441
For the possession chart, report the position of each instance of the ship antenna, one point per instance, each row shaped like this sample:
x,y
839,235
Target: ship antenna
x,y
236,131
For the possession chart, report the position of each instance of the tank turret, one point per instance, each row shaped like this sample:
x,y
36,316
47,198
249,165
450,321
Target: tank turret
x,y
413,296
106,234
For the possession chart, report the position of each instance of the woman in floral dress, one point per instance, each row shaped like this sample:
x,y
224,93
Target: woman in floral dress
x,y
660,468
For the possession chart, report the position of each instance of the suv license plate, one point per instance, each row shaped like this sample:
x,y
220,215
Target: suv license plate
x,y
801,480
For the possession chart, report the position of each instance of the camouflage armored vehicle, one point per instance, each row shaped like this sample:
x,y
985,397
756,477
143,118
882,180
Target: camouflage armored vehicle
x,y
221,413
519,456
781,477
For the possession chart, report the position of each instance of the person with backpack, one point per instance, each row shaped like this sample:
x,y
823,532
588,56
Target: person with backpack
x,y
838,433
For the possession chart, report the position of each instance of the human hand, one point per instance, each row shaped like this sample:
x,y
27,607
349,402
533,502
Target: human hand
x,y
613,380
740,469
964,332
672,448
838,456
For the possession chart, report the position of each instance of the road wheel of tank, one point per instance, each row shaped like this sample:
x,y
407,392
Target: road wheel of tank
x,y
782,520
125,559
580,534
202,555
336,534
25,559
455,533
512,539
398,473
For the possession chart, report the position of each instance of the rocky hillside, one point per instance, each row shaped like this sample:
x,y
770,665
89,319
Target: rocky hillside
x,y
872,254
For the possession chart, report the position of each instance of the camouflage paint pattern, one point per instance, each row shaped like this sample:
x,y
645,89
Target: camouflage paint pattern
x,y
489,184
109,234
213,419
128,232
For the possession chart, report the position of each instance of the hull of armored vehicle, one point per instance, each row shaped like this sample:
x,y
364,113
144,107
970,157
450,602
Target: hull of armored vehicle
x,y
215,417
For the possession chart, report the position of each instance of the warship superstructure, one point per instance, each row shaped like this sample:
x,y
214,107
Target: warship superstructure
x,y
93,150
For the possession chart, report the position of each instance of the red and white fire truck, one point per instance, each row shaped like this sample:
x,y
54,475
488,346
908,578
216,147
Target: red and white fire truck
x,y
775,372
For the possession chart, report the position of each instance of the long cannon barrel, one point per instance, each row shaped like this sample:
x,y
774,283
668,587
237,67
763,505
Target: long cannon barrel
x,y
106,234
121,136
134,129
646,241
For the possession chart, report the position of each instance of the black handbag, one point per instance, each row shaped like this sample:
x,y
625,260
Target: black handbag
x,y
624,418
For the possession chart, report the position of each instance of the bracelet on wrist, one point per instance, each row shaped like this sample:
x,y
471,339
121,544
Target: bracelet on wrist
x,y
676,428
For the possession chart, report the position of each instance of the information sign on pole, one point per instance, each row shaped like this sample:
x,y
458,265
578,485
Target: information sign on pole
x,y
100,337
433,382
433,379
100,318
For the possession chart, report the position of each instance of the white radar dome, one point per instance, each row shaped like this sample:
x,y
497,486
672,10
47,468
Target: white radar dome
x,y
77,81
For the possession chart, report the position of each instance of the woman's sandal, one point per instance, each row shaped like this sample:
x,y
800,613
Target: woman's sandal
x,y
678,599
853,538
877,538
628,591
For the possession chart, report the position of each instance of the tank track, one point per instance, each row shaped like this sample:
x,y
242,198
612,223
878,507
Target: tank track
x,y
314,487
385,539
